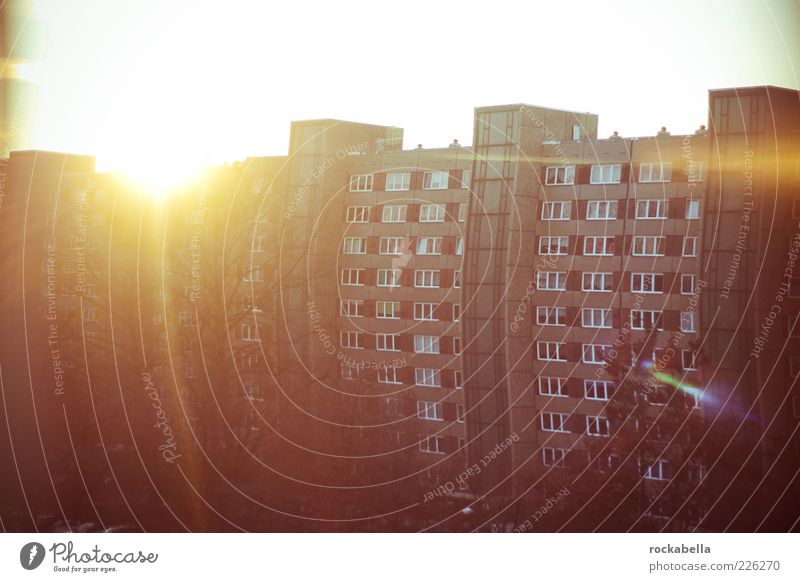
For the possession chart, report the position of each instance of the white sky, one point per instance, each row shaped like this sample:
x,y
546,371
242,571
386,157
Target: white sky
x,y
159,87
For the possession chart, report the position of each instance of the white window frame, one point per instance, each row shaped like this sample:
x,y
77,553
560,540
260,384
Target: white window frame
x,y
352,277
428,377
643,287
598,389
425,312
688,322
550,351
382,308
551,280
692,360
355,245
435,180
429,410
557,210
429,245
462,212
551,316
594,353
598,246
391,245
652,209
598,426
351,307
553,386
459,246
560,175
648,246
553,421
388,375
689,246
361,182
690,278
432,213
692,209
602,210
646,319
591,277
352,340
552,457
548,244
432,444
387,342
398,181
389,277
655,172
393,213
605,174
596,318
357,214
426,344
660,470
427,278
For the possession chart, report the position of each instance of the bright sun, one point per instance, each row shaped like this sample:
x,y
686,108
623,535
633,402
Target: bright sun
x,y
158,178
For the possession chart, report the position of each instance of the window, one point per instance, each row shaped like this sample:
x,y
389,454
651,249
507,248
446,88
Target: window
x,y
600,282
351,340
424,312
392,245
560,175
389,277
647,282
552,386
394,213
690,246
553,245
655,172
357,214
361,183
348,372
648,246
692,209
457,279
459,246
158,317
553,421
388,375
460,418
687,322
551,280
259,244
689,359
435,180
646,319
462,212
597,426
429,245
456,312
457,345
687,284
576,133
427,377
598,318
352,276
432,444
398,182
601,210
426,278
355,245
466,179
554,457
387,309
185,318
387,342
252,274
598,246
597,389
426,344
249,332
660,471
606,174
551,352
431,213
458,379
429,410
351,307
551,315
652,209
556,210
594,353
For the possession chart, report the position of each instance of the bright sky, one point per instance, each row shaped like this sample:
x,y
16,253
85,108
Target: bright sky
x,y
158,87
